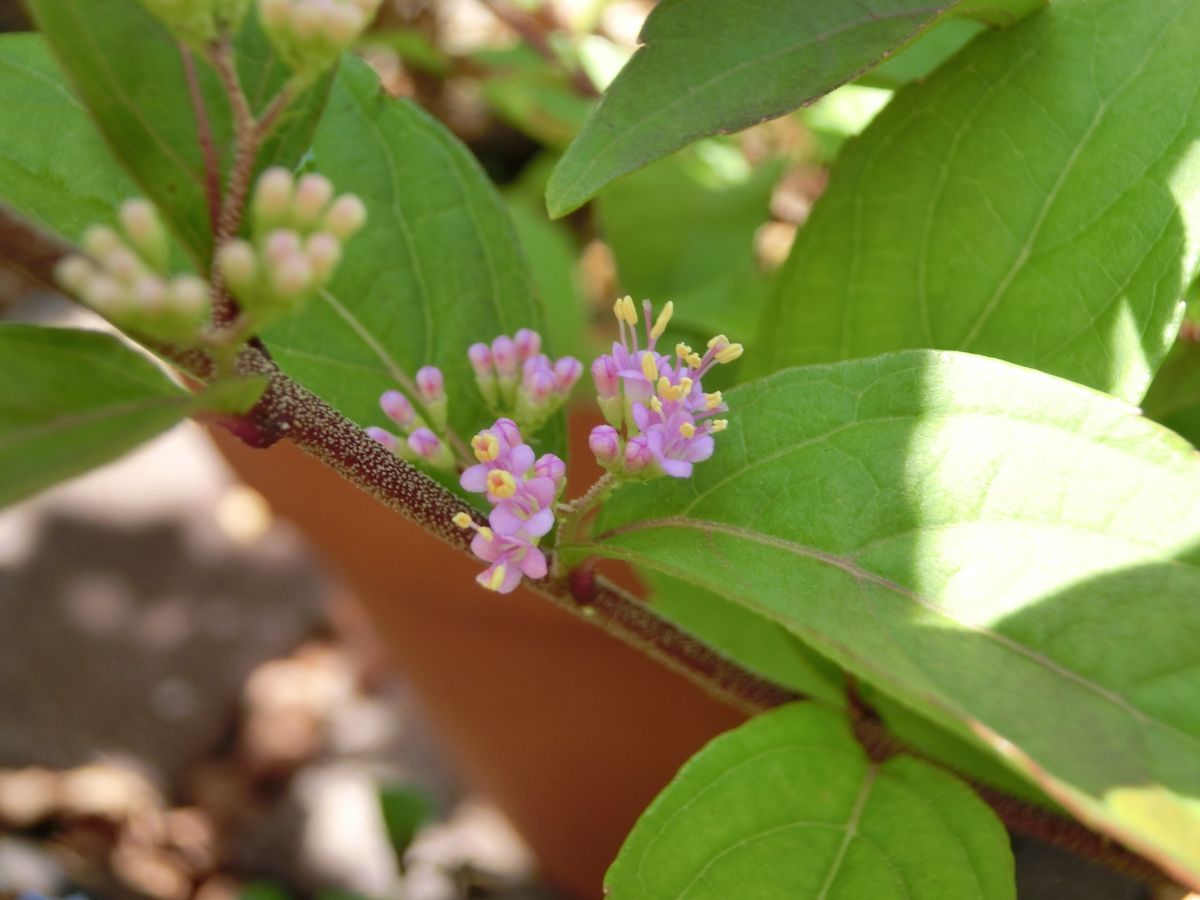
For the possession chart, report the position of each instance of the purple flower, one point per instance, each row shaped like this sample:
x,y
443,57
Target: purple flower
x,y
605,442
431,384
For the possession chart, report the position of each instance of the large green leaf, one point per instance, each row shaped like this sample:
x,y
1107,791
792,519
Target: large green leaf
x,y
436,268
788,805
71,400
128,72
1012,555
1037,200
1174,395
709,67
61,175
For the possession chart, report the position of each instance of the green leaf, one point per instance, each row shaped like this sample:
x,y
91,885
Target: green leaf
x,y
128,71
683,230
71,400
1037,200
61,175
753,640
788,805
1174,395
405,809
1009,554
921,58
709,67
436,268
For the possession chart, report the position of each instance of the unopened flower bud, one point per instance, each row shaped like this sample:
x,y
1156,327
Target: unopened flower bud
x,y
508,432
308,19
140,220
150,295
505,356
272,197
528,343
567,370
397,407
637,454
280,246
313,193
389,440
239,266
189,296
345,216
537,386
550,466
324,252
292,278
430,448
100,240
73,273
480,355
431,384
605,375
343,24
105,295
605,443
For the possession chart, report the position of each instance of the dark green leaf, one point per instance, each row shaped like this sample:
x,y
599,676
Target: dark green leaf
x,y
405,809
709,67
1034,200
436,268
1011,555
788,805
128,72
71,400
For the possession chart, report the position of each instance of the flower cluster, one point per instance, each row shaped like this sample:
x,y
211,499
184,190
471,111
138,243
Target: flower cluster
x,y
124,277
197,22
311,34
418,441
515,377
297,232
660,420
522,491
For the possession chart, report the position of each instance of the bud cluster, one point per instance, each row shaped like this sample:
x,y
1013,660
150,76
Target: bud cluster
x,y
418,441
522,491
197,22
124,277
660,420
297,232
311,34
515,377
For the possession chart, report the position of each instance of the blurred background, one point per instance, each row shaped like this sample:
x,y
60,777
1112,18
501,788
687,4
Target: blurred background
x,y
193,705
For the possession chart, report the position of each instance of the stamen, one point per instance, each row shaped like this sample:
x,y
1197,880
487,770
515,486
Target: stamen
x,y
720,339
462,520
730,353
501,483
719,425
656,405
649,366
682,350
713,400
486,447
688,430
497,578
660,324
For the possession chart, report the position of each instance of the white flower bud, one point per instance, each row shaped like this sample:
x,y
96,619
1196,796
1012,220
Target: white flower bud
x,y
189,296
272,197
345,216
150,295
281,245
99,240
292,278
239,265
74,273
324,252
313,193
124,264
140,220
105,295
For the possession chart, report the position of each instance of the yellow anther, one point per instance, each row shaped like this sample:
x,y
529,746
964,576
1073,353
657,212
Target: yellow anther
x,y
501,483
484,532
719,339
719,425
687,429
685,386
730,353
624,310
663,385
713,400
682,350
660,324
649,366
694,360
486,447
497,578
656,405
462,520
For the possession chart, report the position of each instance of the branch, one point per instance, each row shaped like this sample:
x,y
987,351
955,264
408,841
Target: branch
x,y
212,164
288,410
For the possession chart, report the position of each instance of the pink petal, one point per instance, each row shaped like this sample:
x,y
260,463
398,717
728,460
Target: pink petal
x,y
474,479
534,564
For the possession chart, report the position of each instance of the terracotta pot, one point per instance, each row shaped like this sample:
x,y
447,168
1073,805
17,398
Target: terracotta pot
x,y
569,730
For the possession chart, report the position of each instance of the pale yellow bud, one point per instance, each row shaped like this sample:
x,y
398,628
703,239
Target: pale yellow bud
x,y
281,245
74,273
189,296
313,193
239,265
324,252
345,216
124,264
273,196
150,295
99,240
105,295
292,278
